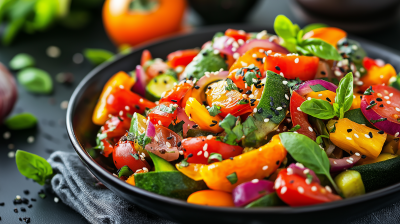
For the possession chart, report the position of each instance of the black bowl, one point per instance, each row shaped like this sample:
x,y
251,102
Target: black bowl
x,y
82,132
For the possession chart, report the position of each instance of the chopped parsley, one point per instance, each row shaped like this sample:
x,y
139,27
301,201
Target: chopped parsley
x,y
232,178
124,171
214,110
317,88
230,85
214,156
295,128
379,120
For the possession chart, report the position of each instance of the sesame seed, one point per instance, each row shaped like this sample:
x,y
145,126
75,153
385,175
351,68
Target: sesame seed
x,y
348,138
308,181
349,161
261,50
357,154
354,47
306,171
360,83
254,181
367,136
168,144
391,94
254,55
313,188
388,102
6,135
159,122
397,109
397,134
64,104
308,98
300,165
379,94
243,63
251,96
205,147
255,110
338,73
181,152
356,135
209,137
284,82
370,134
298,108
56,200
31,139
296,60
386,97
141,100
283,190
269,51
279,108
286,96
199,153
319,95
236,55
216,51
265,168
281,74
206,154
310,129
300,189
266,120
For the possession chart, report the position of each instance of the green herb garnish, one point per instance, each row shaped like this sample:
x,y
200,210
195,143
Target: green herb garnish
x,y
21,121
317,88
369,91
35,80
97,56
33,166
125,171
230,85
232,178
379,120
214,110
214,156
21,61
295,128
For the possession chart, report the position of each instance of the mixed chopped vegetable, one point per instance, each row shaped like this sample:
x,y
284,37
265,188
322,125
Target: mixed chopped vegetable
x,y
255,120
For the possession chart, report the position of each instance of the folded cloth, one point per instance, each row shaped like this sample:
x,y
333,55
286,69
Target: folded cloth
x,y
75,186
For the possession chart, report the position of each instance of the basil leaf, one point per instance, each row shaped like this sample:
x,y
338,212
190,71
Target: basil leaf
x,y
21,61
214,156
320,49
230,85
313,26
228,124
249,76
317,88
125,171
306,151
21,121
178,127
33,166
232,178
97,56
319,139
214,110
243,101
295,128
318,108
35,80
344,93
285,29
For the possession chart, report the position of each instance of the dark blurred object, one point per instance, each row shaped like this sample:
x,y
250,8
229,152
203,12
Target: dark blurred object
x,y
358,16
8,92
222,11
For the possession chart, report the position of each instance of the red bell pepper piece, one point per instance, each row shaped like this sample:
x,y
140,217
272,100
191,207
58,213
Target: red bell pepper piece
x,y
369,62
176,94
162,114
236,34
182,57
146,56
299,117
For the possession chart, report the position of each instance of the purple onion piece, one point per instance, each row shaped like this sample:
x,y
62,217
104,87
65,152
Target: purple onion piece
x,y
181,115
8,92
388,126
300,170
140,85
250,191
224,45
338,165
264,44
305,88
151,130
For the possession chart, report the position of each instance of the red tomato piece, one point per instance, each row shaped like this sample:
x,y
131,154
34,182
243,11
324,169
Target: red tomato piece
x,y
369,62
146,56
182,57
127,102
124,154
166,144
236,34
108,147
202,147
156,68
176,94
387,101
292,66
116,126
294,190
163,114
299,117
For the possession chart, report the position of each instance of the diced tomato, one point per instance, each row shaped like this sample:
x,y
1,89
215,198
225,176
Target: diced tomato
x,y
236,34
125,154
156,68
369,62
165,144
202,147
292,67
227,100
176,94
122,101
146,56
163,114
116,126
387,101
108,147
294,190
182,57
299,117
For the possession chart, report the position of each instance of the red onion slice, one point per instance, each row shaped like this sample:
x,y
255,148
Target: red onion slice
x,y
304,88
181,115
338,165
225,44
247,192
263,44
8,92
151,130
302,171
140,85
204,81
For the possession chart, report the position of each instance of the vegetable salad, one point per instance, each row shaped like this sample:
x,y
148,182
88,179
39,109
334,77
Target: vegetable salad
x,y
255,120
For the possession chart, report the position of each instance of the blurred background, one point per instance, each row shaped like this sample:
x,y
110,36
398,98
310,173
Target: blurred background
x,y
63,40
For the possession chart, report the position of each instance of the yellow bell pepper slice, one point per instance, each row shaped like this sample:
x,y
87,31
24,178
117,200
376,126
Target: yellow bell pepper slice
x,y
192,171
100,113
380,158
200,115
327,94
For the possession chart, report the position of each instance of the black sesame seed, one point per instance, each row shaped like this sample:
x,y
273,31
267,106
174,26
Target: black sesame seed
x,y
277,68
33,199
323,73
174,101
190,155
341,69
349,130
379,99
351,152
204,102
276,112
381,132
1,203
179,144
381,105
329,100
212,125
240,90
155,80
205,53
15,210
363,156
30,206
209,87
197,87
160,72
165,81
361,97
25,201
258,82
26,191
291,181
260,110
137,107
269,116
372,102
169,138
231,158
214,121
253,100
20,219
370,134
252,104
248,92
271,103
23,210
195,126
277,162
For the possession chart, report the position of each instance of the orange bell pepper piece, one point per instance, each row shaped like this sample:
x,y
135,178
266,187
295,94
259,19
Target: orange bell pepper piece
x,y
377,75
255,164
331,35
211,198
200,115
192,171
100,113
327,94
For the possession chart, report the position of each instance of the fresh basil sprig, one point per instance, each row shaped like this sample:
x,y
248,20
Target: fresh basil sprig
x,y
292,39
306,151
33,166
324,110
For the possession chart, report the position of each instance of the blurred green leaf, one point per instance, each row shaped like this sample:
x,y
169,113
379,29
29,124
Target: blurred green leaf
x,y
76,19
35,80
21,61
45,13
97,56
11,31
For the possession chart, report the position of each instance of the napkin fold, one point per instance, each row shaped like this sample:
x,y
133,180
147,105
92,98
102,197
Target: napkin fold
x,y
75,186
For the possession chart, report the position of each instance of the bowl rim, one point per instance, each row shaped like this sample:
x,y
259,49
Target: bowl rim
x,y
88,161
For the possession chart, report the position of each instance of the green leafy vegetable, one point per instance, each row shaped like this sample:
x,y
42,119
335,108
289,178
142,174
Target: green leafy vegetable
x,y
318,108
214,110
243,101
319,139
369,91
171,109
125,171
21,121
35,80
295,128
21,61
230,85
227,124
177,128
33,166
306,151
313,26
344,94
97,56
214,156
287,31
249,76
320,48
249,126
232,178
317,88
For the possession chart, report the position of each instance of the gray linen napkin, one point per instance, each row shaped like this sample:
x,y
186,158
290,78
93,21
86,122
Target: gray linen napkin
x,y
74,184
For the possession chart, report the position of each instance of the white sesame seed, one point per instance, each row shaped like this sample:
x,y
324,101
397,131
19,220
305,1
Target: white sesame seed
x,y
168,144
328,189
300,189
156,138
308,98
285,82
53,52
360,83
254,181
141,100
265,168
300,165
388,102
236,55
209,137
145,169
295,132
367,136
279,108
206,154
11,154
298,108
349,161
277,184
308,181
56,200
386,97
357,154
286,96
64,104
261,50
180,152
31,139
254,55
240,41
354,47
6,135
338,73
296,60
255,110
235,45
245,85
216,51
348,138
334,162
357,74
313,188
251,96
266,120
205,147
283,189
381,76
351,158
391,94
159,122
306,171
397,134
234,49
310,129
356,135
199,153
244,96
379,94
264,58
269,51
397,109
281,74
243,63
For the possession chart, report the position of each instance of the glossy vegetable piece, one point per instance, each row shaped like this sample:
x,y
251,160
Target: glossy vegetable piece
x,y
181,57
202,147
299,117
192,170
140,81
353,137
200,115
299,169
264,44
181,116
176,94
331,35
350,183
228,100
163,114
8,94
203,82
392,146
338,165
308,86
100,113
250,191
294,190
21,121
116,126
35,80
262,162
369,62
165,144
155,67
380,158
268,200
325,95
108,147
211,198
21,61
159,85
292,67
146,56
377,75
236,34
160,164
